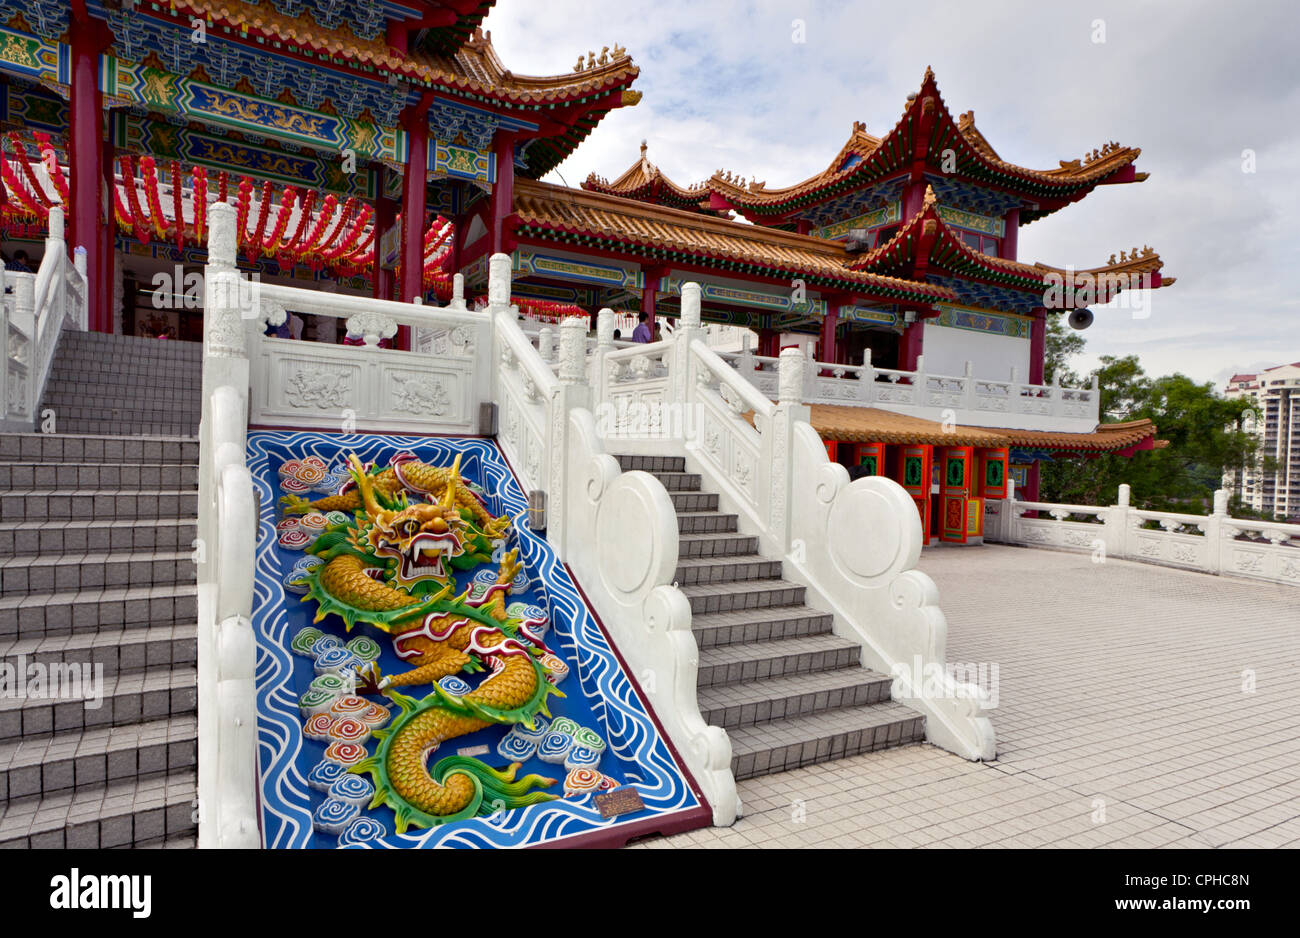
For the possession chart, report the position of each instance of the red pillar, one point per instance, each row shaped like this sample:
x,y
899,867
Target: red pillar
x,y
909,348
767,341
503,192
648,295
108,232
416,122
913,199
1031,483
829,351
85,156
1010,235
457,235
1037,346
384,281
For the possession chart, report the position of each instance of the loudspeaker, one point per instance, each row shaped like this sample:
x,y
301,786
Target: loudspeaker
x,y
1080,319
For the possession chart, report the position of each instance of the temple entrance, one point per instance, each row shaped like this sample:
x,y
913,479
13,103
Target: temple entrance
x,y
884,345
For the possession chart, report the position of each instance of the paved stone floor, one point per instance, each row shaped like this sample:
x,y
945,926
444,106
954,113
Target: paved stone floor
x,y
1125,718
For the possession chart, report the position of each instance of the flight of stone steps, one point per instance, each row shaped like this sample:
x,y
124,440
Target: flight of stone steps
x,y
96,568
124,385
788,692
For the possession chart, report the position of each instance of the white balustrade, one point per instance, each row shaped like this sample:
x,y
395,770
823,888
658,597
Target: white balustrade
x,y
920,393
349,387
1213,543
38,309
225,550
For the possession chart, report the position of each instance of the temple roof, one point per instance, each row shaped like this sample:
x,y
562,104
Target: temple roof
x,y
584,218
865,160
926,241
458,58
873,425
644,182
268,26
476,67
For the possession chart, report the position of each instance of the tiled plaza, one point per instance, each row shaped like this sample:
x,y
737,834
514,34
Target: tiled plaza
x,y
1138,706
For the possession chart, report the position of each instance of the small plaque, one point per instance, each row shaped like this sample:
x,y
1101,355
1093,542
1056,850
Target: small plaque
x,y
625,800
473,751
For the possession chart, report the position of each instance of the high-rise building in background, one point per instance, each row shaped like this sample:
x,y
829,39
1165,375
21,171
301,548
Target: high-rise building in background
x,y
1272,484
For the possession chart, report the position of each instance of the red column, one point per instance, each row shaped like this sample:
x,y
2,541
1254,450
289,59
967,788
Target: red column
x,y
85,156
913,199
457,235
1010,235
503,192
767,340
416,122
648,295
1037,346
1031,483
384,280
909,348
829,351
108,232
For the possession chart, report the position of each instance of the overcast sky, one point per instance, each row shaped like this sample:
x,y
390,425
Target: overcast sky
x,y
1193,83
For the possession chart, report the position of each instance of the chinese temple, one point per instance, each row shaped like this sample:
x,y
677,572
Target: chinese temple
x,y
378,148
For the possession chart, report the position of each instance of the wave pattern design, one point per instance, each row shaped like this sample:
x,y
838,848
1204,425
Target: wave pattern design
x,y
642,756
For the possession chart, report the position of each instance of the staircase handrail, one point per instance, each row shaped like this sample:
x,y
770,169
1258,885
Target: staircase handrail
x,y
227,528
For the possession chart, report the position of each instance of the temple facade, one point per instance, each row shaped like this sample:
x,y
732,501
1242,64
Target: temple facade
x,y
380,148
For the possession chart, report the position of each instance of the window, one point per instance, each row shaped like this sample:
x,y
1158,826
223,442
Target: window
x,y
982,243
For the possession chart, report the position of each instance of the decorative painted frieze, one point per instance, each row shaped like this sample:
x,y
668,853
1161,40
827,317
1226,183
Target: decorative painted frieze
x,y
978,320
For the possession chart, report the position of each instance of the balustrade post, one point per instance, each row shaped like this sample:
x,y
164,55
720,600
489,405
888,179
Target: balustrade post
x,y
1123,513
544,347
572,393
599,373
867,378
968,387
777,449
676,422
457,292
499,272
1215,524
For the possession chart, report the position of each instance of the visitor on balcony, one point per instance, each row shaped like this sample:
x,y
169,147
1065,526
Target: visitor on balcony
x,y
642,331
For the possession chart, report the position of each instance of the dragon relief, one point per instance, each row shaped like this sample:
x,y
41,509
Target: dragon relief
x,y
391,566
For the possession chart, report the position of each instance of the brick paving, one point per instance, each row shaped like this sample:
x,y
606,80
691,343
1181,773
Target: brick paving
x,y
1125,718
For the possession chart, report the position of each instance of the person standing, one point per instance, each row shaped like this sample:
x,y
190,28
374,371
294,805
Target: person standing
x,y
642,331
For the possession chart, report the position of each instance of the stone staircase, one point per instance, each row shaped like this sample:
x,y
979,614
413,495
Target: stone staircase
x,y
96,571
123,385
788,692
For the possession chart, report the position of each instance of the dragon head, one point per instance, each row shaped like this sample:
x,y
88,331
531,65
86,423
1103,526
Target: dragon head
x,y
418,536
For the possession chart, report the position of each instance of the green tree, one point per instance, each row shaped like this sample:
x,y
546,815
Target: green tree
x,y
1060,343
1203,432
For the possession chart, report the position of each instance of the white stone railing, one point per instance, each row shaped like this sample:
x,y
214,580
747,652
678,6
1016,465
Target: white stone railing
x,y
40,307
1011,404
318,384
853,546
525,389
1214,543
225,550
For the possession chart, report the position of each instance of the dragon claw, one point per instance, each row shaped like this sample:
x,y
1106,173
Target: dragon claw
x,y
370,683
